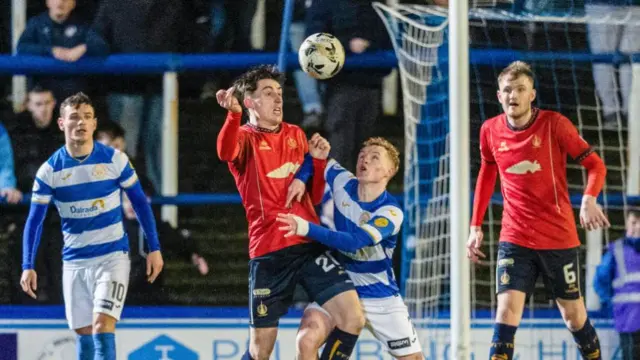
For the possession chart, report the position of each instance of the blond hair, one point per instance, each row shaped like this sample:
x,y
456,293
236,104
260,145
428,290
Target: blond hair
x,y
515,70
392,151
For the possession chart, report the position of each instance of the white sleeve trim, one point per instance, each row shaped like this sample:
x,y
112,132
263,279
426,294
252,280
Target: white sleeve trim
x,y
130,181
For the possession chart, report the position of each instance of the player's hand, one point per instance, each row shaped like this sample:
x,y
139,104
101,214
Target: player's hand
x,y
591,215
293,225
295,192
228,100
358,45
474,243
13,196
200,263
29,282
76,53
60,53
154,265
319,147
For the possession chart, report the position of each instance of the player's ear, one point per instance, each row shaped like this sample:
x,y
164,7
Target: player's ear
x,y
60,123
498,95
248,102
533,95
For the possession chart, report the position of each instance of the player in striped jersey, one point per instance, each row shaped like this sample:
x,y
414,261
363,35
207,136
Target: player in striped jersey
x,y
85,180
367,221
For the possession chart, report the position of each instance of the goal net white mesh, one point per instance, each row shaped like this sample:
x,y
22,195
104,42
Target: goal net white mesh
x,y
558,41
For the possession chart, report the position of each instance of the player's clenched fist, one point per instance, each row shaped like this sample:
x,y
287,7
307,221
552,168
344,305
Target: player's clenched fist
x,y
228,100
29,282
319,147
474,243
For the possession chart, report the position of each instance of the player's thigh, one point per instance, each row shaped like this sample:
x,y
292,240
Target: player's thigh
x,y
315,327
77,290
272,283
111,286
517,268
561,273
389,321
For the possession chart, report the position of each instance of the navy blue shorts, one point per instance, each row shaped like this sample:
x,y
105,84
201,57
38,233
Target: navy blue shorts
x,y
274,276
519,268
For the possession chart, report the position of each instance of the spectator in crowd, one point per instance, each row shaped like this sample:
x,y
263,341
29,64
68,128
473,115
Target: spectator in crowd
x,y
608,34
135,102
8,190
35,134
306,86
617,286
63,35
177,242
353,96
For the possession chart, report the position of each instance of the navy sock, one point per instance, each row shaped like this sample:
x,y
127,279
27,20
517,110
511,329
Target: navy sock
x,y
588,342
339,345
502,342
105,345
246,356
84,347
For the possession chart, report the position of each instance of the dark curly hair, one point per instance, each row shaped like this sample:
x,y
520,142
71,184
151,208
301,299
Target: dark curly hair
x,y
74,101
248,82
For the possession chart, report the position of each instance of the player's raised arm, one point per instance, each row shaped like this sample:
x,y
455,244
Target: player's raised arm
x,y
40,199
384,223
485,184
591,215
229,140
313,166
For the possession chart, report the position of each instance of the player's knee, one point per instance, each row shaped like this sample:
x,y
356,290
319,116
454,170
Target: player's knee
x,y
573,318
507,315
87,330
308,341
104,324
414,356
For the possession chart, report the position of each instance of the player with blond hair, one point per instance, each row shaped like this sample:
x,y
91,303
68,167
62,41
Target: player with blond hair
x,y
367,221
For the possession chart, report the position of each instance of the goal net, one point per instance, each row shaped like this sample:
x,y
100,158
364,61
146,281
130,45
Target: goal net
x,y
556,39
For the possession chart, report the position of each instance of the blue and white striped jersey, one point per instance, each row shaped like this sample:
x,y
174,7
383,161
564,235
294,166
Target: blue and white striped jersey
x,y
87,194
371,267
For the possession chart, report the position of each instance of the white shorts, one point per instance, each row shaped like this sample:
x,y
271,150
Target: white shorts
x,y
100,288
388,320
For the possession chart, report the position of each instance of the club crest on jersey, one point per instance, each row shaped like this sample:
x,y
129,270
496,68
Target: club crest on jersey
x,y
525,166
262,310
99,171
503,146
505,279
381,222
536,141
292,143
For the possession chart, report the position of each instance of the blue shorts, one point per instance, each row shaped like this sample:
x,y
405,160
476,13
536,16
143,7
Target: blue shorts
x,y
274,276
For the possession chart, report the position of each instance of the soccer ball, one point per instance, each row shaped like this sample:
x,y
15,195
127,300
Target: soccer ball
x,y
321,56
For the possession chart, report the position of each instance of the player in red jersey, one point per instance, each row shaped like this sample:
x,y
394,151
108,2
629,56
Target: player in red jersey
x,y
528,147
263,156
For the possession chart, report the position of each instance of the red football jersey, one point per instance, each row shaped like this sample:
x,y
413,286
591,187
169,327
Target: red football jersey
x,y
533,175
263,164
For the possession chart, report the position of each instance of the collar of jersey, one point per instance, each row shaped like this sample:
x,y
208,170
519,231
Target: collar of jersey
x,y
534,116
265,130
78,160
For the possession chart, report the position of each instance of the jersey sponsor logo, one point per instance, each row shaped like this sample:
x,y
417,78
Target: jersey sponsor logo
x,y
399,344
105,304
393,213
97,205
99,171
261,292
284,171
264,145
505,262
524,166
66,176
503,146
536,142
